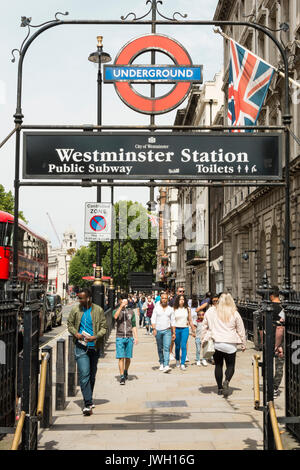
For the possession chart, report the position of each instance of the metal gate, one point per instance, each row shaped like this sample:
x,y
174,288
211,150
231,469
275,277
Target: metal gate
x,y
8,363
31,318
292,363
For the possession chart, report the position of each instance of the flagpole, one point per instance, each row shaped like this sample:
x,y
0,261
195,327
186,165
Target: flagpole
x,y
218,31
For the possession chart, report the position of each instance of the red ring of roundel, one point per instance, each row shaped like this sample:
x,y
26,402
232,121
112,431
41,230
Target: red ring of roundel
x,y
144,104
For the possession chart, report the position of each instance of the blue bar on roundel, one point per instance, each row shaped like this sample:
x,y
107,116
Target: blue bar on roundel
x,y
114,73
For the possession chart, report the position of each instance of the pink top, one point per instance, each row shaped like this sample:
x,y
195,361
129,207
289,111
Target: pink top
x,y
231,332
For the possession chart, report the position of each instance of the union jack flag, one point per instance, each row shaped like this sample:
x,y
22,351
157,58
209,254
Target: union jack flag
x,y
153,219
249,80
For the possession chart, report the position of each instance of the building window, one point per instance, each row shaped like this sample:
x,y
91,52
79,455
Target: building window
x,y
274,257
262,258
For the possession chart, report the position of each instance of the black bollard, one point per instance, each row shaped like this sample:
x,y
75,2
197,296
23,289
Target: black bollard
x,y
71,368
47,419
60,399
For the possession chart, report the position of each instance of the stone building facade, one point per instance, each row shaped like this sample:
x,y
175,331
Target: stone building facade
x,y
58,263
253,220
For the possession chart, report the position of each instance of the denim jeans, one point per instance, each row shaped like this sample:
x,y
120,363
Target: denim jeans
x,y
198,348
182,335
142,318
87,368
163,341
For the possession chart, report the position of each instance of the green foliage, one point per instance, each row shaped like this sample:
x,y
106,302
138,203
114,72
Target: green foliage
x,y
81,265
137,248
7,203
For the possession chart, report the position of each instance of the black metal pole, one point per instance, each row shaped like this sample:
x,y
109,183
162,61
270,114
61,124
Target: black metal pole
x,y
27,375
111,239
99,123
287,246
18,121
98,286
119,259
111,291
268,373
153,31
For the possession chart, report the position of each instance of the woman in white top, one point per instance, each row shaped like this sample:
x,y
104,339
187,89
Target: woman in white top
x,y
163,325
183,319
225,326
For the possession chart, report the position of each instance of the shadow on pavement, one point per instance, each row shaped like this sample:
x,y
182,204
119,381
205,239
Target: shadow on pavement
x,y
96,402
214,389
252,444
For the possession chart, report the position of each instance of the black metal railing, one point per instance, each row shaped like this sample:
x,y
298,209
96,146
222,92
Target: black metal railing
x,y
292,361
8,363
247,310
253,315
31,319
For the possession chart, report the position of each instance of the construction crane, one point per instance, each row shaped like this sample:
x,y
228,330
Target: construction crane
x,y
52,224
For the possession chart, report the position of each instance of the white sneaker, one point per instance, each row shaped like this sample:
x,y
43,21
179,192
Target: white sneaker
x,y
177,364
182,367
198,363
187,359
87,411
166,369
204,363
161,367
172,357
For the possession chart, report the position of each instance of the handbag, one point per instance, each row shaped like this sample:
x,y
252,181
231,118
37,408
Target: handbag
x,y
208,349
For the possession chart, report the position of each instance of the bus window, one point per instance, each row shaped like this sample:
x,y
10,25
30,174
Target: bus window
x,y
2,232
21,233
6,230
8,239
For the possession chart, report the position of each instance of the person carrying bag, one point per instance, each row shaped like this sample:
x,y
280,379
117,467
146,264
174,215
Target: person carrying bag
x,y
224,326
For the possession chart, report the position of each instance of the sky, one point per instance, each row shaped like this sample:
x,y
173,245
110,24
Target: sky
x,y
60,87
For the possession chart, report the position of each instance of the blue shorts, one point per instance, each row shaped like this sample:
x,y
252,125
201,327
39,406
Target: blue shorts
x,y
124,348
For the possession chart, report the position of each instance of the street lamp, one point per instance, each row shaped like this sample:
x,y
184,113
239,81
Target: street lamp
x,y
245,254
99,57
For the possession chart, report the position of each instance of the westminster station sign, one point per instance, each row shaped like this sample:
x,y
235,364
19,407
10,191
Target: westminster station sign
x,y
214,156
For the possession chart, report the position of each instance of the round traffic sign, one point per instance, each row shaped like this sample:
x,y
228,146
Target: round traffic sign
x,y
171,48
98,223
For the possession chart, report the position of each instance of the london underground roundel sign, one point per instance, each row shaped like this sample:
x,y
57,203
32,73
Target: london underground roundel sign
x,y
123,73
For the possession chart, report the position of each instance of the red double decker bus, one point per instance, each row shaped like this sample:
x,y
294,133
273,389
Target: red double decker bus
x,y
32,254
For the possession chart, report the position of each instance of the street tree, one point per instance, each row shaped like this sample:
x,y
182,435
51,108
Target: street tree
x,y
7,203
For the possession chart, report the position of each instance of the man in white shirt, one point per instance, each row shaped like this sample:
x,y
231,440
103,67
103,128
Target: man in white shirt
x,y
163,324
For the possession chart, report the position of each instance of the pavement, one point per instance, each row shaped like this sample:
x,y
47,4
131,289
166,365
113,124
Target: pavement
x,y
154,410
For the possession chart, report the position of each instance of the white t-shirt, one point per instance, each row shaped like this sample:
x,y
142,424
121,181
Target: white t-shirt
x,y
181,317
162,318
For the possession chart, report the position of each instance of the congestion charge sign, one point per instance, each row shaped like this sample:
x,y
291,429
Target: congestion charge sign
x,y
182,74
97,225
